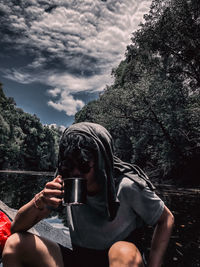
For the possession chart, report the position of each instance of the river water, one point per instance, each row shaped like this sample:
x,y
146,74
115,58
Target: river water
x,y
17,189
184,248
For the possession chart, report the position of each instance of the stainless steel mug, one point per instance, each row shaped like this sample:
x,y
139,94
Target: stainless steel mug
x,y
75,191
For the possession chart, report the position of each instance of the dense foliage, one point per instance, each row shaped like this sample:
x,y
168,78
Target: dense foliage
x,y
24,142
152,108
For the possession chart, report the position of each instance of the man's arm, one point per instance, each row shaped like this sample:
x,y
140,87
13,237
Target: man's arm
x,y
161,238
37,209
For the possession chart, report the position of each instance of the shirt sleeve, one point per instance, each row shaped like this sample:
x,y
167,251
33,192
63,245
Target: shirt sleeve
x,y
144,202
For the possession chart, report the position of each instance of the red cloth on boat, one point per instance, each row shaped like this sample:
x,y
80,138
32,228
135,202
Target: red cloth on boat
x,y
5,225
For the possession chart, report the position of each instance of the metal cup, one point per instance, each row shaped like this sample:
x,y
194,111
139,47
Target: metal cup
x,y
75,191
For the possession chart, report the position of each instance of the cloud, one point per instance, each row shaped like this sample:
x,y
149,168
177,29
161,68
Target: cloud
x,y
73,44
75,84
54,92
67,103
18,76
68,85
94,29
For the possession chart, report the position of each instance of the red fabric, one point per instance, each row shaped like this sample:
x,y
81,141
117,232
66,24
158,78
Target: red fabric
x,y
5,225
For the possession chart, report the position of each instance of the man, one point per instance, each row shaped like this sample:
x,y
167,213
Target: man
x,y
120,199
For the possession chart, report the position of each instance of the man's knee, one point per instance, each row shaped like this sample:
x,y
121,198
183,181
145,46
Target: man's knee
x,y
12,244
16,243
30,250
124,253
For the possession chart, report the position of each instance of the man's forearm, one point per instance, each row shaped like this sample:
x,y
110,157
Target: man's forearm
x,y
37,209
27,216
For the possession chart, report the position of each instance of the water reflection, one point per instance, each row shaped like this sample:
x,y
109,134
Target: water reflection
x,y
17,189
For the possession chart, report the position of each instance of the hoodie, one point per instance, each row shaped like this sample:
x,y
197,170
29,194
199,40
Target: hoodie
x,y
110,169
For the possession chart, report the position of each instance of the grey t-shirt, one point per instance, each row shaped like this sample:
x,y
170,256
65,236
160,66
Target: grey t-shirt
x,y
89,224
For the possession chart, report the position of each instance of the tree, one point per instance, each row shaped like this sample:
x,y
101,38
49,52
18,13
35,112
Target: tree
x,y
24,142
152,109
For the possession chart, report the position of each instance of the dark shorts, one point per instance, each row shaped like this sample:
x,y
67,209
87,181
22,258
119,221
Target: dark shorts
x,y
82,257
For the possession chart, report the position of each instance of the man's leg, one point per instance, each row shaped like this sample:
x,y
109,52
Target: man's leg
x,y
25,249
124,254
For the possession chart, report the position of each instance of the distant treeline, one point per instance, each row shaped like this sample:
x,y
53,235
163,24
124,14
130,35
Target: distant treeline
x,y
153,107
24,142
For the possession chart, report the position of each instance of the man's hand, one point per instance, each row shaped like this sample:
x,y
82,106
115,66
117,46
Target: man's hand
x,y
51,195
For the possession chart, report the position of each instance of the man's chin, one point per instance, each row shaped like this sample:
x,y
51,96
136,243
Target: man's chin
x,y
91,191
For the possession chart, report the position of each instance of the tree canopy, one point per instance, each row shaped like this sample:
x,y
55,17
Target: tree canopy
x,y
24,142
152,108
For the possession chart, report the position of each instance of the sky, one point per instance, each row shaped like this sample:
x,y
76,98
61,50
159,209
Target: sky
x,y
57,55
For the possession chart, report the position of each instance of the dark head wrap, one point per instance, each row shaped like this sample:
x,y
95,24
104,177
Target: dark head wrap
x,y
108,165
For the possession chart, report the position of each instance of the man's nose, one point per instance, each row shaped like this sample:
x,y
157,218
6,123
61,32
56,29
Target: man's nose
x,y
76,173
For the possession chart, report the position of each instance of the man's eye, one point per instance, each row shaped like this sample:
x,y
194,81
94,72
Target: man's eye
x,y
85,167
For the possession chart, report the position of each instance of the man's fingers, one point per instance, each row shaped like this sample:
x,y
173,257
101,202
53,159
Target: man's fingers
x,y
58,179
53,185
53,202
51,193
